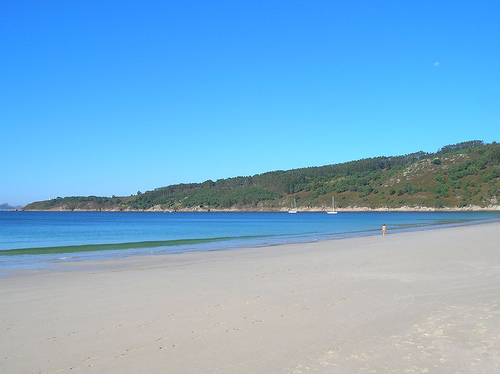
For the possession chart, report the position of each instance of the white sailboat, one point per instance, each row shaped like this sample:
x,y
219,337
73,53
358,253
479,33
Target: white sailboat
x,y
294,207
333,211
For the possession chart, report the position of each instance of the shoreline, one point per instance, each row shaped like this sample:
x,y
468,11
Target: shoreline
x,y
130,250
423,301
405,209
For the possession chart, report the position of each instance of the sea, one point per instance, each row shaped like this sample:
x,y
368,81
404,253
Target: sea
x,y
48,240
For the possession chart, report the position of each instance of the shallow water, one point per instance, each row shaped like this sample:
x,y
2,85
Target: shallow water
x,y
33,240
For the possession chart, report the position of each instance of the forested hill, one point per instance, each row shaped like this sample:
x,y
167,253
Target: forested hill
x,y
463,175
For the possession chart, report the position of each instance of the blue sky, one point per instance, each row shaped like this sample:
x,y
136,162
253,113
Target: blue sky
x,y
113,97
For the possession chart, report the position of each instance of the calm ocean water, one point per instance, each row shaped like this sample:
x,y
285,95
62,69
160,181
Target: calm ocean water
x,y
35,240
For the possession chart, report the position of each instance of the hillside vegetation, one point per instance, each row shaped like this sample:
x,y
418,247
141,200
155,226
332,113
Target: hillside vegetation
x,y
463,175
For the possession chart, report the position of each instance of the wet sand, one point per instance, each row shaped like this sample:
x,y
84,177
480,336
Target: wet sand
x,y
418,302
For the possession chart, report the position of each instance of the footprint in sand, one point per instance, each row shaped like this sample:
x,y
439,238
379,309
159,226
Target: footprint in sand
x,y
332,353
170,346
486,317
358,357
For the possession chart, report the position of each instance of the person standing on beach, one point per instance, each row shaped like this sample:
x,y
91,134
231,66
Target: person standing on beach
x,y
384,229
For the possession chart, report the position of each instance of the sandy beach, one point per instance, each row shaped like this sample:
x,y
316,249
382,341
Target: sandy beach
x,y
417,302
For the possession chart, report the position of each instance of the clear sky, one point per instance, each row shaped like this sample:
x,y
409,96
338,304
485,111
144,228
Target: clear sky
x,y
114,97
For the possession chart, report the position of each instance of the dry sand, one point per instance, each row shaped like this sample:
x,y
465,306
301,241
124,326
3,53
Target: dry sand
x,y
420,302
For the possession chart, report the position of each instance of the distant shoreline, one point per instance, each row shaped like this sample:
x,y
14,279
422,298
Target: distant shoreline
x,y
474,208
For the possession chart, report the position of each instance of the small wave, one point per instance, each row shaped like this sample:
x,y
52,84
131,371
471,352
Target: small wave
x,y
114,246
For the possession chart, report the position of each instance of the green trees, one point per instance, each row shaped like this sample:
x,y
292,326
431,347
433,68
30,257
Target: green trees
x,y
493,154
460,146
464,173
